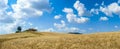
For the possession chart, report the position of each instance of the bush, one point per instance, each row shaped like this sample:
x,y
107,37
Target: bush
x,y
74,33
18,29
31,29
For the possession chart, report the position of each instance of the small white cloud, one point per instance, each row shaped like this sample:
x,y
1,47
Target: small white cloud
x,y
81,19
94,11
103,18
96,4
68,10
116,26
57,17
60,26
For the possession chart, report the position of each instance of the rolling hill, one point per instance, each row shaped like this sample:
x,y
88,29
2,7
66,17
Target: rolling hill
x,y
50,40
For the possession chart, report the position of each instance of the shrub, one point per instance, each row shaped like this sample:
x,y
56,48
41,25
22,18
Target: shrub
x,y
18,29
74,33
31,29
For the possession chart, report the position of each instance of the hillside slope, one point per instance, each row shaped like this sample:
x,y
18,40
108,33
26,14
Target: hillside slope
x,y
46,40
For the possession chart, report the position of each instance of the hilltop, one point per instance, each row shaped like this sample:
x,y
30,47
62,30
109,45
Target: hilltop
x,y
51,40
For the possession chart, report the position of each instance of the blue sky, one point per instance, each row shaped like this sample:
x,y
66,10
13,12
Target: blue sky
x,y
84,16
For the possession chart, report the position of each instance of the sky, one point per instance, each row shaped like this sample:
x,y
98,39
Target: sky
x,y
84,16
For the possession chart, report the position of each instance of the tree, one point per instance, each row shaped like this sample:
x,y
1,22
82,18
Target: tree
x,y
18,29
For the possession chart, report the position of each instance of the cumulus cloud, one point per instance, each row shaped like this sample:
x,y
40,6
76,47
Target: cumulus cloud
x,y
57,16
28,8
22,10
111,9
82,11
81,20
79,7
104,18
71,17
5,17
60,26
10,27
69,14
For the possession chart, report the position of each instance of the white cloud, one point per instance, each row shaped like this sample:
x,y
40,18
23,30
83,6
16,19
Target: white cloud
x,y
116,26
81,20
5,17
57,16
71,17
20,11
3,4
111,9
106,11
96,4
60,26
28,8
79,7
10,27
68,10
94,11
103,18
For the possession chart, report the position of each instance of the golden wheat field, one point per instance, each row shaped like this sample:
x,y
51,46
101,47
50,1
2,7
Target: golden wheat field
x,y
49,40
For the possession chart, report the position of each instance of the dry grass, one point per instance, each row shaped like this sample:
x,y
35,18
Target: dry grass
x,y
34,40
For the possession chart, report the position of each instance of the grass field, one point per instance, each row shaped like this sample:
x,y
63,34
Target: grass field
x,y
49,40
